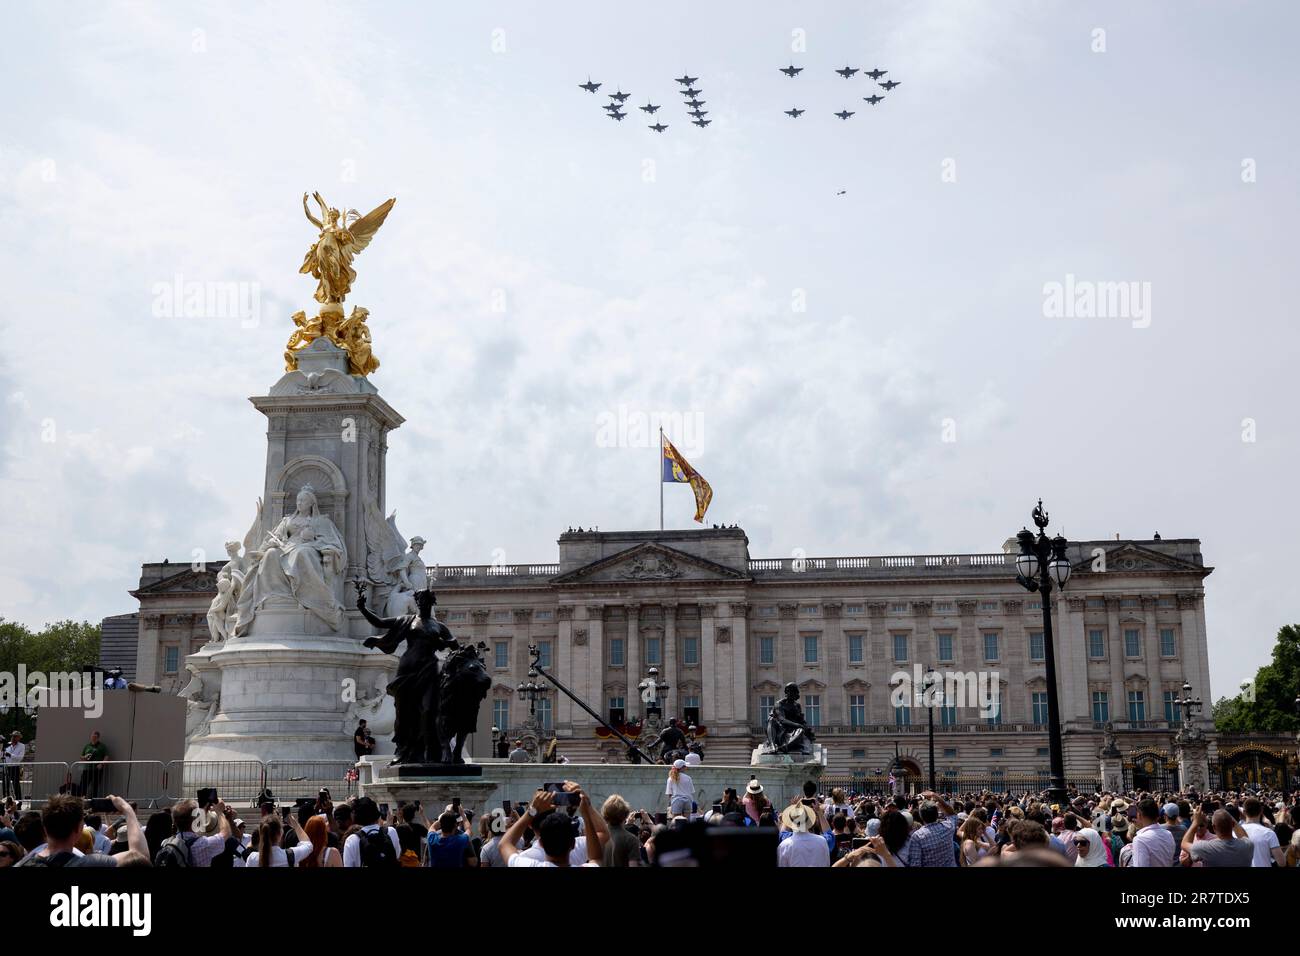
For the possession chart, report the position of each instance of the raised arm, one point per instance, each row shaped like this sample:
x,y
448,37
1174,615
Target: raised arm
x,y
380,622
592,823
310,218
542,802
134,834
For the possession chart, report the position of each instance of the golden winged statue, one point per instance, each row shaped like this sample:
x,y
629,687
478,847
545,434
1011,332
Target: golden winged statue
x,y
342,236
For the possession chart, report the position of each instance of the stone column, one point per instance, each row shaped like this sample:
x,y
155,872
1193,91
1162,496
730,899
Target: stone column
x,y
1111,768
1193,760
880,663
834,653
740,681
787,656
147,670
1192,645
708,663
636,670
969,653
1118,663
670,670
1152,654
1072,660
575,673
595,670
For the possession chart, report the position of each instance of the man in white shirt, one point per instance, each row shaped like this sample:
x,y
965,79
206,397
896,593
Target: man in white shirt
x,y
1153,845
14,753
366,814
1267,848
555,835
802,847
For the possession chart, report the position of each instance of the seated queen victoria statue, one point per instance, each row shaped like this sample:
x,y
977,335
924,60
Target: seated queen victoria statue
x,y
302,559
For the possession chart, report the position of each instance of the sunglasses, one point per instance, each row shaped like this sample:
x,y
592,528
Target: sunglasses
x,y
1081,843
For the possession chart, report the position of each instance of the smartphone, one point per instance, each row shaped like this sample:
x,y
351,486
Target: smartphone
x,y
285,812
383,811
455,803
521,808
808,802
101,805
207,796
843,839
717,808
858,842
661,818
505,805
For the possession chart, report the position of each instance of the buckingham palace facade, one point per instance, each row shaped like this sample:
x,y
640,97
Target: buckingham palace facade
x,y
728,631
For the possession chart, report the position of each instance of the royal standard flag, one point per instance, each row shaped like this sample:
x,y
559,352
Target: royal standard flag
x,y
677,470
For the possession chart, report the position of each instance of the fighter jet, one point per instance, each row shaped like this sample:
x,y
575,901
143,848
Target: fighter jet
x,y
847,71
611,106
699,114
890,84
844,114
657,127
794,113
589,86
701,122
875,74
649,107
695,104
690,92
616,115
791,70
620,96
686,80
873,99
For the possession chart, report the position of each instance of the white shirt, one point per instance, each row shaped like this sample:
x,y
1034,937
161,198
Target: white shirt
x,y
279,857
520,859
1264,841
577,856
683,786
1154,846
803,849
352,845
14,753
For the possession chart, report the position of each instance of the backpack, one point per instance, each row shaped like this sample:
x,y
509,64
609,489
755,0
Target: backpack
x,y
377,849
57,860
409,858
175,851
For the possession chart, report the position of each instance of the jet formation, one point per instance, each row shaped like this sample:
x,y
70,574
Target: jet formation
x,y
847,72
616,110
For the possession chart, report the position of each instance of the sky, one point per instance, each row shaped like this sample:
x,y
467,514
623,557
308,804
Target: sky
x,y
849,324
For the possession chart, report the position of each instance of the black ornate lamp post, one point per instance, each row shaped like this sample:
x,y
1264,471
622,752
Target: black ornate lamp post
x,y
531,691
1187,705
1042,566
929,716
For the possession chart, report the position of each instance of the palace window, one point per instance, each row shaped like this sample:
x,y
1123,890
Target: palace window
x,y
767,611
1137,705
1037,652
853,609
1096,603
898,607
766,649
995,719
616,655
988,605
943,607
990,646
542,616
1038,704
949,753
903,716
690,651
900,647
810,649
765,704
544,715
812,709
501,652
857,710
1164,602
1132,642
454,616
859,754
501,714
855,648
995,751
1171,709
171,659
944,639
1129,602
544,653
653,651
501,617
1168,643
1035,605
947,715
1096,644
809,610
1100,706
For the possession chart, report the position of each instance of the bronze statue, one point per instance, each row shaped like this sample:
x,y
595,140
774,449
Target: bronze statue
x,y
464,684
415,687
787,731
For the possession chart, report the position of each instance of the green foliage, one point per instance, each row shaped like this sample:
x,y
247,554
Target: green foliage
x,y
61,646
1276,686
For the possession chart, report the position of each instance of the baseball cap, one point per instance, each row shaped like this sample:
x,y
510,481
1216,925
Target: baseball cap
x,y
1170,809
679,764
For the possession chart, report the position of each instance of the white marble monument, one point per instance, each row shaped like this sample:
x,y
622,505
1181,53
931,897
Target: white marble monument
x,y
285,675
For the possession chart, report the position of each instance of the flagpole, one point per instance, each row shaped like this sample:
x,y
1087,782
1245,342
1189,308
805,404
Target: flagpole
x,y
660,470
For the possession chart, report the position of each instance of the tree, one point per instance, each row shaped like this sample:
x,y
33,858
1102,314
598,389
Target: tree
x,y
1277,684
64,646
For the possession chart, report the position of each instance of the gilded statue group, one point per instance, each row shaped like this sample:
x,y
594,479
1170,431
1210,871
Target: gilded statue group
x,y
329,261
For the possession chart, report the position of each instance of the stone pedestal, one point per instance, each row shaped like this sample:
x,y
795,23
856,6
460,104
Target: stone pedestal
x,y
815,761
1112,773
1193,760
435,786
292,687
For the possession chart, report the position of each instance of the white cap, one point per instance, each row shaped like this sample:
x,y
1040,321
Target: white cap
x,y
679,764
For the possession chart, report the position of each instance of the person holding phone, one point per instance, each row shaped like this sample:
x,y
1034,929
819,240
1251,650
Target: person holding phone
x,y
557,844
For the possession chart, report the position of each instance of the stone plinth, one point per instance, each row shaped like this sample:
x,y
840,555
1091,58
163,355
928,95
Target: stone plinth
x,y
434,785
816,759
642,785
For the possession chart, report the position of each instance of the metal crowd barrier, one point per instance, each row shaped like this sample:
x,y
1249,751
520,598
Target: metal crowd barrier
x,y
291,779
238,782
136,781
37,780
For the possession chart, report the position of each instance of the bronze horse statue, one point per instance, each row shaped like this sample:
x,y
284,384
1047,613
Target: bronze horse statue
x,y
464,684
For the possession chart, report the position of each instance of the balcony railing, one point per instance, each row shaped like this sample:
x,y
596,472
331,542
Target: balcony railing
x,y
881,563
842,730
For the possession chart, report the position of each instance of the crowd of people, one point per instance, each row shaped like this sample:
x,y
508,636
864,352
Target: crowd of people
x,y
561,826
